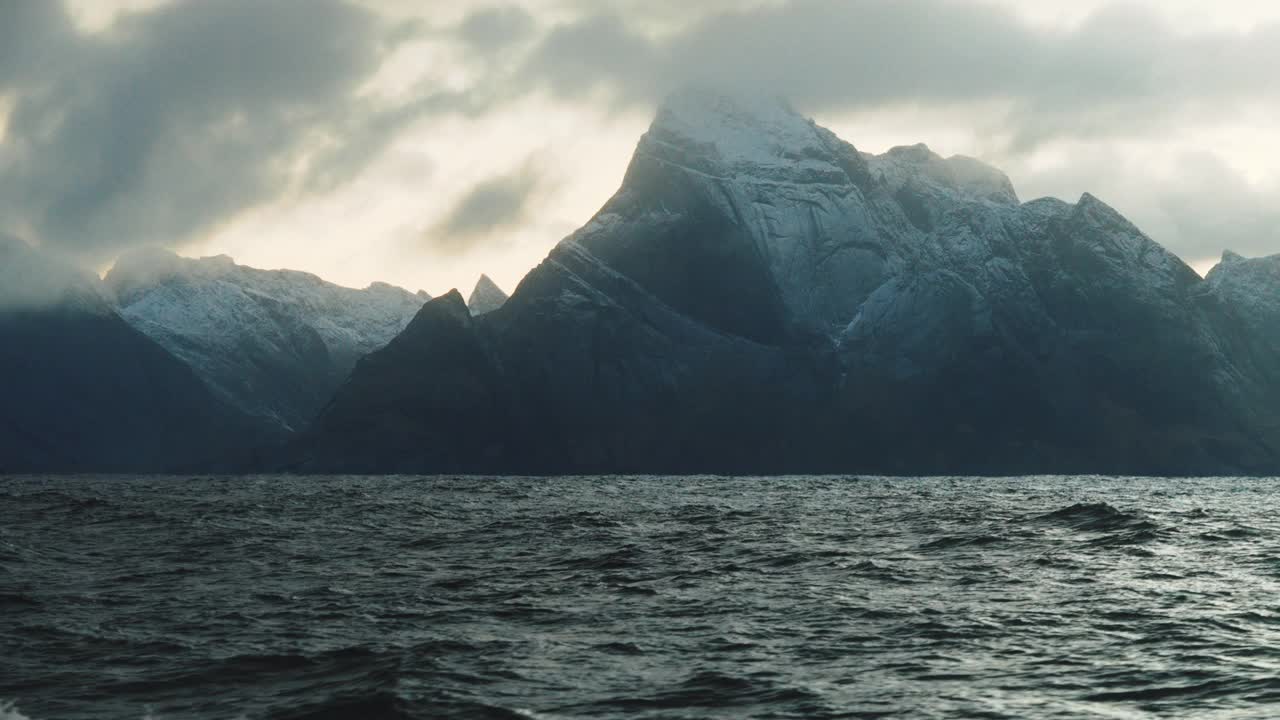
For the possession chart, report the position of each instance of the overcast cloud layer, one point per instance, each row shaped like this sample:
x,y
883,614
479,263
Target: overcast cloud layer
x,y
378,140
1122,71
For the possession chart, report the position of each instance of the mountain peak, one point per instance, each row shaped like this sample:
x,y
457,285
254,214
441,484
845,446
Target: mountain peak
x,y
147,258
1265,270
141,268
726,133
1090,206
486,297
908,164
918,153
706,107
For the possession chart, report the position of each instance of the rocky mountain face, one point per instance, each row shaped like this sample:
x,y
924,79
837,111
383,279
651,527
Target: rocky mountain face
x,y
760,296
486,297
82,391
1249,291
1243,296
274,343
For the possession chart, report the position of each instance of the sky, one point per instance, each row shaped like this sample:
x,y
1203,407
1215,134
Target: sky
x,y
425,143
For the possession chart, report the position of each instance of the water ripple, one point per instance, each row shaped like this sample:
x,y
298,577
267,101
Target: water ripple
x,y
639,597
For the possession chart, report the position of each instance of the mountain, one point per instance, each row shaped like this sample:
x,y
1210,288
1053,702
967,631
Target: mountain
x,y
274,343
1250,290
761,297
83,391
486,297
1244,295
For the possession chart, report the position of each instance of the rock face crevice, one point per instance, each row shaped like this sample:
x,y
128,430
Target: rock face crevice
x,y
759,296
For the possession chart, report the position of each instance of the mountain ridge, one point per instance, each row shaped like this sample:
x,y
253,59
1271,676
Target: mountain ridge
x,y
275,343
760,296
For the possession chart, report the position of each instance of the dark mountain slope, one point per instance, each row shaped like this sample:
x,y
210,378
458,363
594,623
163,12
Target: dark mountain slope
x,y
83,391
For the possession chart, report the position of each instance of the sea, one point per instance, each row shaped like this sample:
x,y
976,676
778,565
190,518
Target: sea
x,y
639,597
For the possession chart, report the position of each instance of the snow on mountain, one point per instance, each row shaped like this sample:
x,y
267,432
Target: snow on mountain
x,y
486,297
1247,291
970,177
274,342
832,224
729,135
1251,284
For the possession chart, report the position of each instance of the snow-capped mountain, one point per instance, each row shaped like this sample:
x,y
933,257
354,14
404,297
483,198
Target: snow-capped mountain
x,y
1244,294
275,343
1252,287
760,296
83,391
486,297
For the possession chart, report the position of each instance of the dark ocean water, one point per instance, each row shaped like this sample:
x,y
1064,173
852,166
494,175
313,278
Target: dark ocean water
x,y
639,598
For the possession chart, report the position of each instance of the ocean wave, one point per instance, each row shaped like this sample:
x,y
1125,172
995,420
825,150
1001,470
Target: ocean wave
x,y
18,600
1092,516
383,705
953,541
627,556
658,597
59,499
716,689
9,711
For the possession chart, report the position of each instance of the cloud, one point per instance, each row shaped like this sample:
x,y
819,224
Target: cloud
x,y
496,28
577,58
168,124
1190,201
360,134
32,280
172,120
30,33
496,204
1117,73
1212,209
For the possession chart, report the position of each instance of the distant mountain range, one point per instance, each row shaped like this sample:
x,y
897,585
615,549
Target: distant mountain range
x,y
761,297
758,297
274,343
